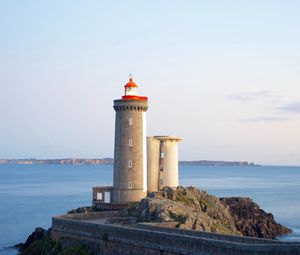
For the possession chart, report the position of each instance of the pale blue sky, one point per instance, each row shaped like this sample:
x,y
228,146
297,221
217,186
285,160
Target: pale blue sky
x,y
224,75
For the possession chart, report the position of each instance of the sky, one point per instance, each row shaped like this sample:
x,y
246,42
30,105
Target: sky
x,y
223,75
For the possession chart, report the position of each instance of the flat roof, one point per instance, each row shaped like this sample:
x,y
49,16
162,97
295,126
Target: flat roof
x,y
167,137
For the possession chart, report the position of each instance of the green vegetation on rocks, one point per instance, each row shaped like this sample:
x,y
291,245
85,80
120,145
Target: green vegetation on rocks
x,y
40,243
47,246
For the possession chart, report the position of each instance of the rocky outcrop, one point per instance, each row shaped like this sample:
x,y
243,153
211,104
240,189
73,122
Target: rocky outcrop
x,y
84,209
250,220
190,208
40,243
36,235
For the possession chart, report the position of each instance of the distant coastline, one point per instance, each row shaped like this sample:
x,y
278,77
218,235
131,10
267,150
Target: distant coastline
x,y
216,163
64,161
110,161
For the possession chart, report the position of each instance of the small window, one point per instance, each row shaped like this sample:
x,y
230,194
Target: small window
x,y
130,163
107,197
161,155
161,182
99,196
130,121
129,185
130,142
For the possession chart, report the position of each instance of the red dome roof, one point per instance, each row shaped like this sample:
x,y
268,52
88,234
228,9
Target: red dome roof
x,y
130,84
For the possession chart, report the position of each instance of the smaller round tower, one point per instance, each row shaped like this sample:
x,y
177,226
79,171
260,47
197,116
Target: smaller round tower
x,y
162,162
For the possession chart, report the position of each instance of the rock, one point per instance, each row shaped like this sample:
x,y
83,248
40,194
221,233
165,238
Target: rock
x,y
80,210
250,220
84,209
190,208
41,243
168,193
38,234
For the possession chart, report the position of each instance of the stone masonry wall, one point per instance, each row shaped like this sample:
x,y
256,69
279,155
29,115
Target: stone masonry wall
x,y
216,236
123,174
105,239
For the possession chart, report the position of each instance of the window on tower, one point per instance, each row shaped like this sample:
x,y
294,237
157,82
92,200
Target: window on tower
x,y
130,142
131,91
130,163
130,122
129,185
99,196
161,182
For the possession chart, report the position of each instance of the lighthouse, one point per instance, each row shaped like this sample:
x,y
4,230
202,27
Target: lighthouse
x,y
130,152
141,164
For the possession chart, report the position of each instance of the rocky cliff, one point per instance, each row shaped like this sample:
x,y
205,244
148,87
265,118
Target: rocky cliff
x,y
250,220
190,208
40,243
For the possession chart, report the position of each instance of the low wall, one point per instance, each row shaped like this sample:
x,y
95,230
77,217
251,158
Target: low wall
x,y
105,239
209,235
108,206
90,215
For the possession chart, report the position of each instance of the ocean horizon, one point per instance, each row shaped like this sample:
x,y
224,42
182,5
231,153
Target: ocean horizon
x,y
31,194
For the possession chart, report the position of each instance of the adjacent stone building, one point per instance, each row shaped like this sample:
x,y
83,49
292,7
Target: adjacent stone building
x,y
162,167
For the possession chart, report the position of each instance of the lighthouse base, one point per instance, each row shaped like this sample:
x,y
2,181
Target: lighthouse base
x,y
123,196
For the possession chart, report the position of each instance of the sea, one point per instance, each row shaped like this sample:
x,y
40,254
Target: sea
x,y
31,194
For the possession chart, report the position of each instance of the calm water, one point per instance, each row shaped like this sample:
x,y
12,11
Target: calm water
x,y
31,194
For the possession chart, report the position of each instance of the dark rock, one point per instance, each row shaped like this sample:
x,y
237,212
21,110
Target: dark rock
x,y
48,246
38,234
84,209
168,193
18,246
250,220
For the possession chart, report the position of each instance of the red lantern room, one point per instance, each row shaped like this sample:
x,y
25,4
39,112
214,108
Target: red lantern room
x,y
130,88
131,91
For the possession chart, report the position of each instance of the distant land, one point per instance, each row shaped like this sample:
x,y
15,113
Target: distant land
x,y
110,161
216,163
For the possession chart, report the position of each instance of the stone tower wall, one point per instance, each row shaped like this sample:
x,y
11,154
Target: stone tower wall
x,y
170,177
153,152
162,162
124,131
